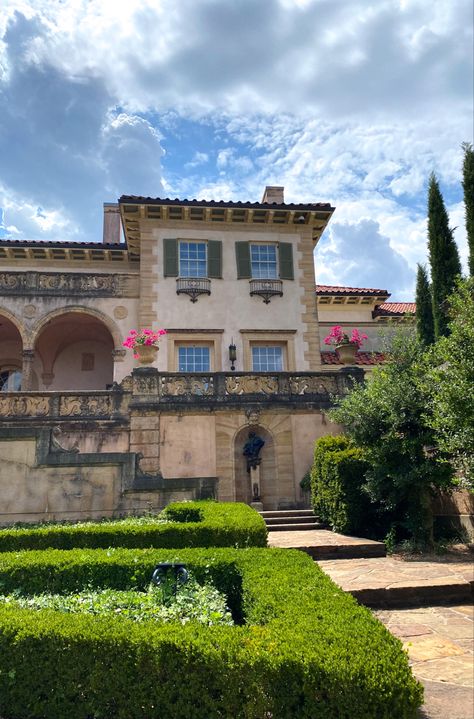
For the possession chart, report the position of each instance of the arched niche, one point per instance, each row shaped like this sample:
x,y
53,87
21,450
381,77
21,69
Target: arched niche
x,y
268,472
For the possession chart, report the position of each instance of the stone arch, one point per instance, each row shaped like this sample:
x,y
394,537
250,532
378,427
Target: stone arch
x,y
73,349
78,309
268,468
17,323
12,344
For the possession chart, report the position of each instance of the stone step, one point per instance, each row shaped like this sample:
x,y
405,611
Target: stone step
x,y
393,582
290,519
324,544
287,513
296,527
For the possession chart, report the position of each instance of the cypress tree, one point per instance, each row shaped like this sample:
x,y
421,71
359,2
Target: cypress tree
x,y
424,308
443,255
468,187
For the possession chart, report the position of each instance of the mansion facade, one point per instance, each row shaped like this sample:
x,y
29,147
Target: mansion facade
x,y
86,432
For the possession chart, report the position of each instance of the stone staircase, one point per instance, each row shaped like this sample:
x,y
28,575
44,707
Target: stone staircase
x,y
291,520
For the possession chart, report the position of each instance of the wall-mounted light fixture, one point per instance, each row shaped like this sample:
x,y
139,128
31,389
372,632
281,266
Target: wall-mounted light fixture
x,y
232,354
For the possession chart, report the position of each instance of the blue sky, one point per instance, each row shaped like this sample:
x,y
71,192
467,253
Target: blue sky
x,y
352,102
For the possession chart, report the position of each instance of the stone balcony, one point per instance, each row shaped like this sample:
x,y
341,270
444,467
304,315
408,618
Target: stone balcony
x,y
170,390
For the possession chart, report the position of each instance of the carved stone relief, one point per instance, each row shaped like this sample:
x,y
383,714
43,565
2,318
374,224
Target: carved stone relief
x,y
24,406
120,312
251,384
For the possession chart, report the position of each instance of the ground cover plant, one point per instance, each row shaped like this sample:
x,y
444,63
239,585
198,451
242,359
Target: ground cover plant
x,y
192,601
181,524
300,648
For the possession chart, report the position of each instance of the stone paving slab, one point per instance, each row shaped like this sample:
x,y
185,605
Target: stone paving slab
x,y
391,581
324,544
440,645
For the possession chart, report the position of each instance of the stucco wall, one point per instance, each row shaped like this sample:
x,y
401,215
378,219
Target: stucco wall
x,y
188,446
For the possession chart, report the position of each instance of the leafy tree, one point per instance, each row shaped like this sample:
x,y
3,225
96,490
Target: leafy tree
x,y
468,187
450,383
443,255
424,308
386,418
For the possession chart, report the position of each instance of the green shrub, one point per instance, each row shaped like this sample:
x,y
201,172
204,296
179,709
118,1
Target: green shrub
x,y
190,524
307,649
337,477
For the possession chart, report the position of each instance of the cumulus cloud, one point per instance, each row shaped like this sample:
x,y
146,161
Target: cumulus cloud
x,y
358,254
353,102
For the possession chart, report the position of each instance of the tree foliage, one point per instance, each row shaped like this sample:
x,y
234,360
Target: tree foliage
x,y
443,255
386,418
424,308
450,383
468,187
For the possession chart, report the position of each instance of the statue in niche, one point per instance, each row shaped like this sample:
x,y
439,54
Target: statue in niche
x,y
252,449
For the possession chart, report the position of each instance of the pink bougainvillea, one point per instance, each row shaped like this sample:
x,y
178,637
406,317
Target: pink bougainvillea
x,y
144,336
337,336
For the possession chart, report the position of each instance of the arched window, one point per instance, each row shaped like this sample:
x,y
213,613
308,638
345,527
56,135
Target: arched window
x,y
10,379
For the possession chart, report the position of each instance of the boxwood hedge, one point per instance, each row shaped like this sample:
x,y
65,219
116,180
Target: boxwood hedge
x,y
191,524
303,648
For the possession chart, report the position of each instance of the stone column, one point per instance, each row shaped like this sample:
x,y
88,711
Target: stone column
x,y
256,502
117,356
28,357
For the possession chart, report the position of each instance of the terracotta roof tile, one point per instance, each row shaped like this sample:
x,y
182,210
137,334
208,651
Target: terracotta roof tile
x,y
361,358
138,199
395,309
50,243
337,290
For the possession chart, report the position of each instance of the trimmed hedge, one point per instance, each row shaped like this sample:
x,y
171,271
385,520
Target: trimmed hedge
x,y
337,476
191,524
307,649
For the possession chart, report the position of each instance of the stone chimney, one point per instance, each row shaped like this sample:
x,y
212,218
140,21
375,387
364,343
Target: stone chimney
x,y
112,224
273,195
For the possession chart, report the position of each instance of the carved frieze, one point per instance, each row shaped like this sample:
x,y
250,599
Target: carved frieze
x,y
312,385
187,385
24,406
60,283
85,405
251,384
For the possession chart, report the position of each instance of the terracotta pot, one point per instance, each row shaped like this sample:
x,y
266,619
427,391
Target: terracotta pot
x,y
146,353
347,352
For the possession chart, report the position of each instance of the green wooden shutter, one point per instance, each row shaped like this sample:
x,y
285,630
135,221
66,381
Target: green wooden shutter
x,y
285,252
242,254
170,258
214,259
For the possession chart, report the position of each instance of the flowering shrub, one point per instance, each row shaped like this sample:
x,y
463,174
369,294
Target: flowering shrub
x,y
338,337
143,337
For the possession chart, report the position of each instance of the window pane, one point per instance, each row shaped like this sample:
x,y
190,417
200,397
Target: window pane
x,y
10,380
194,359
264,262
192,259
267,359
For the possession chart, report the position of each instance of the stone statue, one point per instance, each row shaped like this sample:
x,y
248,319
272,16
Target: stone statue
x,y
252,449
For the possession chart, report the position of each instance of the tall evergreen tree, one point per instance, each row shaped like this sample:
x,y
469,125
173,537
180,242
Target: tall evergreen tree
x,y
468,186
443,255
424,308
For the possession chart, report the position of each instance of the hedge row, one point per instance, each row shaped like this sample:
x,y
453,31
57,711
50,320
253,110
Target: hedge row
x,y
306,650
337,476
191,524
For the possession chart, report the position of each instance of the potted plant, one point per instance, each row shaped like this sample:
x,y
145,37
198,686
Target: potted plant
x,y
346,347
144,344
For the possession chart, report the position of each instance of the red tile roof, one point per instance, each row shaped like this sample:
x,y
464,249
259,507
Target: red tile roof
x,y
5,242
395,309
336,290
361,358
134,199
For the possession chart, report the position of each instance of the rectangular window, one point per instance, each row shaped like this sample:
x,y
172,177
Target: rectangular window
x,y
194,359
267,359
193,259
263,259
